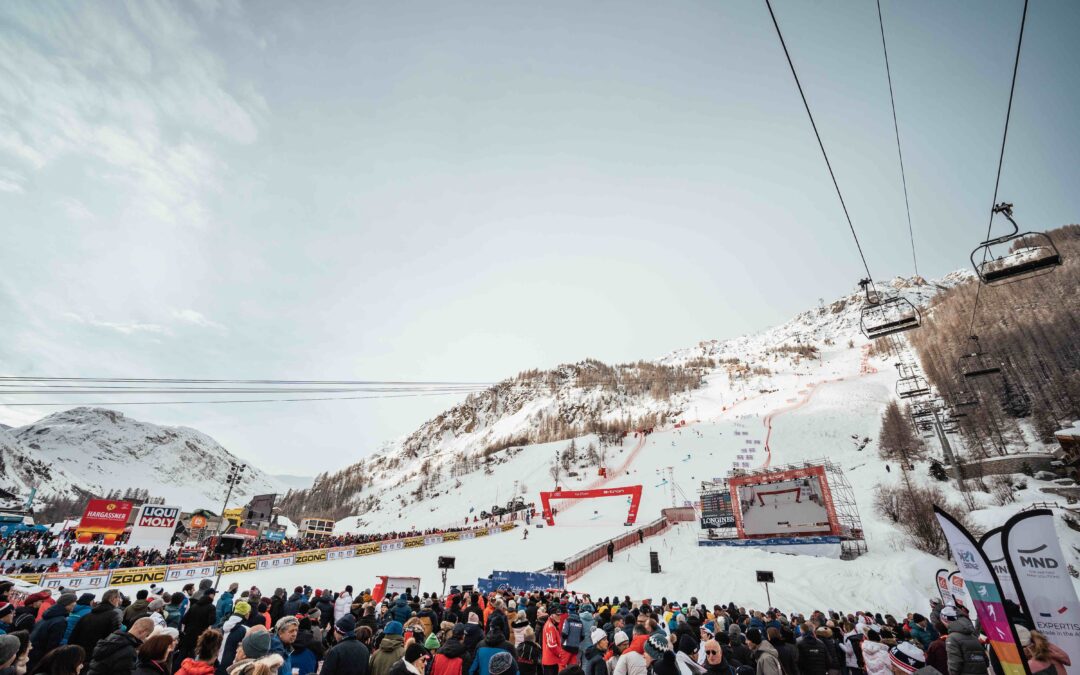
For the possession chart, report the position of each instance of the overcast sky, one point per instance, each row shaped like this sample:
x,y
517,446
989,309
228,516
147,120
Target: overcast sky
x,y
460,191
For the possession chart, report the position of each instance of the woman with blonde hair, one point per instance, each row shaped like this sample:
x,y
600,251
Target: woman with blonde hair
x,y
1042,654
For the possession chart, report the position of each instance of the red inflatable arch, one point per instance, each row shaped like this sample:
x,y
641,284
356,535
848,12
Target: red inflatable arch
x,y
633,490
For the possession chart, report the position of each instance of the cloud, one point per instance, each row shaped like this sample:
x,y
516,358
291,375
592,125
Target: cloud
x,y
197,319
123,327
10,181
131,91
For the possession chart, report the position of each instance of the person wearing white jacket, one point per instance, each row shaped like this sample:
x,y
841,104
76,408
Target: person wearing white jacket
x,y
875,654
629,663
343,604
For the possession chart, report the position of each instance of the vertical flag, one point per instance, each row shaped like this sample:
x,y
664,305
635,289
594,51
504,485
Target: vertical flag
x,y
959,591
991,545
985,595
1040,573
942,581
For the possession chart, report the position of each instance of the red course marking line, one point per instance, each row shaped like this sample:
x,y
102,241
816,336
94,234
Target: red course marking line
x,y
612,475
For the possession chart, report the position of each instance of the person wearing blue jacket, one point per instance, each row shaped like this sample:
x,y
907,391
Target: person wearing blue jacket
x,y
281,642
401,610
81,609
49,632
225,602
493,644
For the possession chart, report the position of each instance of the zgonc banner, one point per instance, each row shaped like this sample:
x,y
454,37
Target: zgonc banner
x,y
154,526
103,516
1040,573
984,593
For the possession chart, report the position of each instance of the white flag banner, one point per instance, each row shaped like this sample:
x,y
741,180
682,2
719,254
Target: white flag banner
x,y
1041,576
942,581
991,546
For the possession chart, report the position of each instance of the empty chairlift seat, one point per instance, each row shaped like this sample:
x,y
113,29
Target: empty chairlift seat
x,y
883,316
912,386
1014,256
977,363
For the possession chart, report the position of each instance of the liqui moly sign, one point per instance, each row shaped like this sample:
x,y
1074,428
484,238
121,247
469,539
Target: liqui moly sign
x,y
158,516
154,526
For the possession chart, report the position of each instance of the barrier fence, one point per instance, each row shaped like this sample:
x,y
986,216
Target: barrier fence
x,y
130,576
581,562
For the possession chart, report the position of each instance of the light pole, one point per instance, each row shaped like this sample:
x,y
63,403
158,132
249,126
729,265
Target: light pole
x,y
236,473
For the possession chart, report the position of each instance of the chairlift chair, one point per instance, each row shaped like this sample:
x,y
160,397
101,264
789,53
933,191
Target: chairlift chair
x,y
912,387
965,399
883,316
1029,254
977,363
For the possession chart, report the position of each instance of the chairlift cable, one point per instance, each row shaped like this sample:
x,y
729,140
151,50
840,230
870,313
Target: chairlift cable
x,y
896,128
214,402
1001,159
813,124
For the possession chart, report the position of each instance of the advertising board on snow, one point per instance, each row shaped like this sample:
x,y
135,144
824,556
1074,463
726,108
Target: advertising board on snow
x,y
104,516
413,542
341,553
138,575
305,557
77,580
154,526
191,571
392,546
276,561
239,565
367,549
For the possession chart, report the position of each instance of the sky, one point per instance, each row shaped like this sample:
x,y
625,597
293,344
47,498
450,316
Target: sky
x,y
461,191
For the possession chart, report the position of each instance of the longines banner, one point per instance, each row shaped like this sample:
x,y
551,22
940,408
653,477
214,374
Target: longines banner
x,y
1040,573
305,557
239,565
991,545
138,575
191,571
985,595
77,581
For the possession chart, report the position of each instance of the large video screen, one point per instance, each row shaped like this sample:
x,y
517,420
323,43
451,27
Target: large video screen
x,y
784,506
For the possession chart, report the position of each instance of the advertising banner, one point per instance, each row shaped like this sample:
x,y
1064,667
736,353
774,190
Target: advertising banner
x,y
191,571
520,581
276,561
395,545
433,539
480,533
104,516
341,553
154,526
991,545
390,585
985,594
941,580
239,565
271,535
451,536
28,578
413,542
958,590
716,511
506,527
1041,576
77,581
305,557
368,549
138,575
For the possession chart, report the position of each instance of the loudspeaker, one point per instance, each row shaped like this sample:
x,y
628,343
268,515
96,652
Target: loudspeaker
x,y
654,562
558,566
446,562
765,577
466,588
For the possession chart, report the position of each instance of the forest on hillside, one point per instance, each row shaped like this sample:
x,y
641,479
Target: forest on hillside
x,y
1027,329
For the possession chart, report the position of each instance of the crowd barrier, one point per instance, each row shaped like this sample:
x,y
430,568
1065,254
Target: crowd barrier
x,y
134,576
581,562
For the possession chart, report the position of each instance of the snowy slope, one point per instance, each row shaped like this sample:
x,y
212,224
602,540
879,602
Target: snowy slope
x,y
95,450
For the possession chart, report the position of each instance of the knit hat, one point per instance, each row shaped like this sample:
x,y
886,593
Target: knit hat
x,y
6,608
86,599
165,630
1021,632
473,618
501,662
948,613
66,599
597,635
753,635
242,608
9,647
918,618
907,657
40,596
414,651
620,637
656,646
393,628
446,626
256,644
432,642
709,627
284,622
459,629
155,604
346,625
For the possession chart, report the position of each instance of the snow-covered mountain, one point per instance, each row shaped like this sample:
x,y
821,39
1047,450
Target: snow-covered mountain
x,y
95,450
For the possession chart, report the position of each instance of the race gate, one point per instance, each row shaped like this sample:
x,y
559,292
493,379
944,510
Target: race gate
x,y
634,492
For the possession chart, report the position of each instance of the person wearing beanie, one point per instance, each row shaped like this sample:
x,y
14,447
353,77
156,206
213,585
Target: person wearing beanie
x,y
502,663
391,649
659,657
765,655
432,643
593,662
493,643
348,656
308,650
875,654
81,608
9,649
555,658
233,632
254,654
630,662
7,615
922,631
282,639
964,650
452,658
906,657
225,602
48,634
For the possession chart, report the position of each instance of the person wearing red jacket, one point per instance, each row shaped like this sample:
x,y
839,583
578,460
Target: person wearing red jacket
x,y
554,658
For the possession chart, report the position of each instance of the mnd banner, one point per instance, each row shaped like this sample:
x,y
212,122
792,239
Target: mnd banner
x,y
991,545
985,594
1040,572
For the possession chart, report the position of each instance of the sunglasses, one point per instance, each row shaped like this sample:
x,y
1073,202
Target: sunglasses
x,y
711,653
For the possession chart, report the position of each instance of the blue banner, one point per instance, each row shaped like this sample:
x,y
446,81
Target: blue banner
x,y
519,581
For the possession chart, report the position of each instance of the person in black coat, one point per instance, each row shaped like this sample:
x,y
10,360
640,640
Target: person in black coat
x,y
115,655
349,656
49,632
786,652
98,624
200,616
813,653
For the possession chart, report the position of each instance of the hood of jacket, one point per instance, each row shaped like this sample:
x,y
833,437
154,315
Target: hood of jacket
x,y
204,600
452,649
591,651
115,642
962,625
272,661
767,647
304,638
494,638
391,643
54,612
637,644
102,608
197,667
233,621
